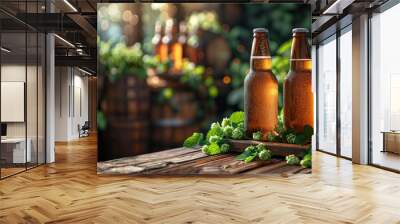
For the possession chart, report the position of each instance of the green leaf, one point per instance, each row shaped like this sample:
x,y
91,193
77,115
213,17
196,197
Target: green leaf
x,y
300,139
308,130
193,140
237,117
307,157
250,158
244,155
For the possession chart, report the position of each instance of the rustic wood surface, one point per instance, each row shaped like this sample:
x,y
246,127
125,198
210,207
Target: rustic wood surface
x,y
185,161
281,149
70,191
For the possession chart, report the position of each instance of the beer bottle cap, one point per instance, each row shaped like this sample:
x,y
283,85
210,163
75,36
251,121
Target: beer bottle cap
x,y
300,30
260,30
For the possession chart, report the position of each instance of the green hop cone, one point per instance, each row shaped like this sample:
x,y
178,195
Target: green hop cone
x,y
291,138
237,133
225,148
265,155
261,147
306,163
257,135
215,139
215,125
205,149
228,131
292,160
225,122
250,148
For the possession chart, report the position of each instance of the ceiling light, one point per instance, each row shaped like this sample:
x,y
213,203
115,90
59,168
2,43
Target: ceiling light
x,y
64,40
84,71
5,50
70,5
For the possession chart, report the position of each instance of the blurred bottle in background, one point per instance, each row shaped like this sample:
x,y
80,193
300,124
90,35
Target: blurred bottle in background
x,y
171,48
157,38
182,39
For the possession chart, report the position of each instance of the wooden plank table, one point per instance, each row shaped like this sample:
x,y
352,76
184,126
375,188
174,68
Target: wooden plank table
x,y
189,162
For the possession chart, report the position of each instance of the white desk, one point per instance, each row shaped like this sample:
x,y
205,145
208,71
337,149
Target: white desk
x,y
18,149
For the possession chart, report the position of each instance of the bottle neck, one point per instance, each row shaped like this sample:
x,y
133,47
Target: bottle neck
x,y
260,63
300,59
260,59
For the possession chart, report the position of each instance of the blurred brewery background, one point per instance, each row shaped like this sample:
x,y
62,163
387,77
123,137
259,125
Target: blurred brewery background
x,y
167,70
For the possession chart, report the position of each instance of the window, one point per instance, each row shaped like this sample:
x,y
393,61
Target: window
x,y
345,43
385,88
326,104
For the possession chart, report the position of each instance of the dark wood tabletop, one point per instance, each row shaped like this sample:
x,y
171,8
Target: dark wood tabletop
x,y
188,162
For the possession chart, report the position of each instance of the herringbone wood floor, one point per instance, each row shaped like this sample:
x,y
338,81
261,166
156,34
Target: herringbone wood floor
x,y
69,191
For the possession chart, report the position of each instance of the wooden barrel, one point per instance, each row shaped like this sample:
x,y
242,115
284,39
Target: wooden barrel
x,y
127,108
174,120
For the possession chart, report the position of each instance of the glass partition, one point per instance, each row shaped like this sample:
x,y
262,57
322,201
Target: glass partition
x,y
14,153
23,90
385,89
326,101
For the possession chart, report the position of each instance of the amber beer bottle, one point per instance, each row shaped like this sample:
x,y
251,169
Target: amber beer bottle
x,y
157,39
182,39
298,96
260,88
172,49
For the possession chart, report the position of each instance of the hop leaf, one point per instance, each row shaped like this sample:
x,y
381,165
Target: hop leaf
x,y
250,158
250,150
306,163
237,117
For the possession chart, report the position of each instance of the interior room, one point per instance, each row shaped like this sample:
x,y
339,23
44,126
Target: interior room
x,y
335,86
22,99
50,123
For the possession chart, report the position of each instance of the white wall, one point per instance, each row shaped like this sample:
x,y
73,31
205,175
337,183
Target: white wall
x,y
33,127
71,102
